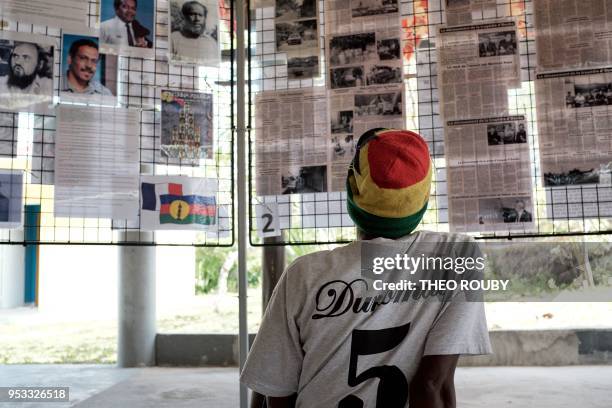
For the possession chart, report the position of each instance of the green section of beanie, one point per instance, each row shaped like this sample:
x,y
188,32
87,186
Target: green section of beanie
x,y
381,226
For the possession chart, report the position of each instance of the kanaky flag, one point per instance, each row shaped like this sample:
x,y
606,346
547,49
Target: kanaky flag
x,y
176,208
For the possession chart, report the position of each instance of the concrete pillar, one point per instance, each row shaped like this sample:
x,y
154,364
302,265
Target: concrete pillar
x,y
12,270
137,318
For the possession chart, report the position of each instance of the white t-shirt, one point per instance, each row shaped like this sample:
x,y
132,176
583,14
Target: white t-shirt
x,y
329,339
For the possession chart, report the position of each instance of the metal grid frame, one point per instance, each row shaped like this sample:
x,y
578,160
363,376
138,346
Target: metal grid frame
x,y
27,140
419,21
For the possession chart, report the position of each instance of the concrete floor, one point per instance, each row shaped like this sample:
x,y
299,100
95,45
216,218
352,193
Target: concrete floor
x,y
95,386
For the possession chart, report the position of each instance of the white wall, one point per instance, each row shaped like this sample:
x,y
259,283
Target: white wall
x,y
12,271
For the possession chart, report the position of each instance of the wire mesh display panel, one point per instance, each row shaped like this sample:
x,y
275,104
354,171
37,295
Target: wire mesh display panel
x,y
322,218
27,140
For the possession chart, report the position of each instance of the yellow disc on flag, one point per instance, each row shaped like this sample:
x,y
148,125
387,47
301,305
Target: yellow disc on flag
x,y
179,209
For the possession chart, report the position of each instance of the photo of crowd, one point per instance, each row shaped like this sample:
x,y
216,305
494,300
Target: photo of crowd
x,y
306,179
388,49
362,8
351,49
506,133
347,77
497,44
588,95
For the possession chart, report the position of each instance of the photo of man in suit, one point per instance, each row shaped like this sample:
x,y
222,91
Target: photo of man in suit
x,y
123,29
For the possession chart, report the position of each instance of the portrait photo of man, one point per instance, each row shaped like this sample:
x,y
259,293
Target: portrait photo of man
x,y
194,32
127,23
83,67
25,79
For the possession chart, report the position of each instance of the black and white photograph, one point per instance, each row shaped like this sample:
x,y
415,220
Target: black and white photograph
x,y
347,77
342,122
381,104
127,26
305,179
194,32
576,176
388,49
343,147
587,95
11,198
300,67
382,74
365,8
296,35
187,125
352,49
295,9
497,44
26,73
518,210
86,72
506,133
452,4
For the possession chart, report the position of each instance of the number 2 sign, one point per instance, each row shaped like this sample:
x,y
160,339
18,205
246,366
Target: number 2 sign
x,y
267,220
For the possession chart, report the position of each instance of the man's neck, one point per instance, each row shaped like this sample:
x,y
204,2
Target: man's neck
x,y
189,34
76,83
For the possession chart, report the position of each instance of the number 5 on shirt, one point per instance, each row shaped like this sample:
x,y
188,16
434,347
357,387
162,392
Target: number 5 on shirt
x,y
393,387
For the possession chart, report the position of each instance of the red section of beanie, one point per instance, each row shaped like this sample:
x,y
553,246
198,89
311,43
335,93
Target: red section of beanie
x,y
398,159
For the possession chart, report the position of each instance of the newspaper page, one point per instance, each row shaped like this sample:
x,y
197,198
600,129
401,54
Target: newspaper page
x,y
575,126
26,72
297,34
365,78
466,11
292,142
97,162
573,34
489,175
349,16
53,13
477,65
177,203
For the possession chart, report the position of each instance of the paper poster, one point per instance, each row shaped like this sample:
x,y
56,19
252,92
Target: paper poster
x,y
26,72
194,32
297,34
477,65
52,13
187,125
11,199
489,174
87,75
573,34
97,162
574,121
178,203
127,27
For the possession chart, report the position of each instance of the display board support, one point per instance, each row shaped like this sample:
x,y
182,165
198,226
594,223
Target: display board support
x,y
137,296
243,208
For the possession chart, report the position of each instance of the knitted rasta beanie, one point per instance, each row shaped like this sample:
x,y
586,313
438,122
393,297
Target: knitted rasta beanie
x,y
388,182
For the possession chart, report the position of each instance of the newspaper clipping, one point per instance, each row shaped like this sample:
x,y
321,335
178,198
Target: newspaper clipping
x,y
96,162
26,72
466,11
187,125
489,174
297,34
292,142
346,16
575,126
477,65
573,33
53,13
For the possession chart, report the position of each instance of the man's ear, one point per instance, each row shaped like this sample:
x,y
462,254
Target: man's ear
x,y
69,59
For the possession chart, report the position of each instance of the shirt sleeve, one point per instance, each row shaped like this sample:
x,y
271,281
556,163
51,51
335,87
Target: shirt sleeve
x,y
461,325
274,363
